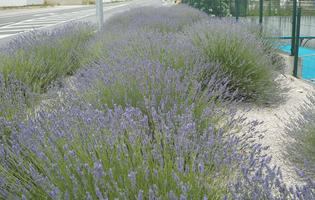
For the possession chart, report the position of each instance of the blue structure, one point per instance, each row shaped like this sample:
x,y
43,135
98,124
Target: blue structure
x,y
308,57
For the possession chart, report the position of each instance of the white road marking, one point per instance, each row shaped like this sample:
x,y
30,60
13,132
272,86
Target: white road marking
x,y
46,20
5,24
39,15
4,36
20,26
40,22
16,30
40,10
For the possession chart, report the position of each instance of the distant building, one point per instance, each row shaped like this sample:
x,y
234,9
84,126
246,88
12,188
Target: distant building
x,y
9,3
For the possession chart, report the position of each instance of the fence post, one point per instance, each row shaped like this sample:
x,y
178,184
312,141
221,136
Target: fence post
x,y
297,43
237,8
215,9
293,27
261,8
246,5
220,9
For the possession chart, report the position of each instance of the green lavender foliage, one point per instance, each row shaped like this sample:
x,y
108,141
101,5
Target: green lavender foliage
x,y
34,61
42,57
151,115
249,59
301,148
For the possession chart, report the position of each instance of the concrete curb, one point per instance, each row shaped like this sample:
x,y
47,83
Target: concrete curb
x,y
289,60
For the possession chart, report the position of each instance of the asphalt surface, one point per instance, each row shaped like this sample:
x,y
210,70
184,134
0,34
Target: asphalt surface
x,y
19,21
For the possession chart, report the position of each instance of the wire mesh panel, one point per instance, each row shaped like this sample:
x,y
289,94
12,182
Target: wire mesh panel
x,y
212,7
276,18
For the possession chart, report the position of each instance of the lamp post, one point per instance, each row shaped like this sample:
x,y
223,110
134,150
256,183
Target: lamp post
x,y
99,13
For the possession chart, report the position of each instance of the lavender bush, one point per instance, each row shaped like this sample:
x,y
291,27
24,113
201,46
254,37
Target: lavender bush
x,y
301,149
239,49
241,54
172,19
15,98
89,150
140,121
146,31
42,57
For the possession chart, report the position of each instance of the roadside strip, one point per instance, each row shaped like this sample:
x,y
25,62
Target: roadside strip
x,y
46,22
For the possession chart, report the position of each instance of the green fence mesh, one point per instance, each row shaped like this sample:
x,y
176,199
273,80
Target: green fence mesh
x,y
277,17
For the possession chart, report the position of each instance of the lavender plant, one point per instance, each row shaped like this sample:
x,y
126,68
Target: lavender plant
x,y
163,20
154,148
145,130
240,54
259,180
15,99
240,50
146,31
301,148
147,118
89,154
42,57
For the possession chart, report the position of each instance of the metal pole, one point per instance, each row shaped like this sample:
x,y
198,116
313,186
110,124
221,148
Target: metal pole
x,y
261,7
293,27
99,13
246,5
220,9
269,8
297,42
237,8
215,9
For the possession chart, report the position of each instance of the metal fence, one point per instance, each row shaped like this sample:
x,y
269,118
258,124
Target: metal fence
x,y
278,19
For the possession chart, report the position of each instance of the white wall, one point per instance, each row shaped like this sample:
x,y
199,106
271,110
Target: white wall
x,y
4,3
7,3
64,2
73,2
34,2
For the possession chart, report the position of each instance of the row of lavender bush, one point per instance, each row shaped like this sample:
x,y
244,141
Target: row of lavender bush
x,y
151,115
237,49
301,148
32,62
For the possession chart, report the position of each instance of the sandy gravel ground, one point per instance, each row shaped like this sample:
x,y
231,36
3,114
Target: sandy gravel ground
x,y
275,118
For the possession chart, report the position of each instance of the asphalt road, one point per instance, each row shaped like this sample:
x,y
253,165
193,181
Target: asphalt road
x,y
18,21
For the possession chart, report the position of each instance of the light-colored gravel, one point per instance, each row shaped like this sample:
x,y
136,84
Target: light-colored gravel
x,y
274,119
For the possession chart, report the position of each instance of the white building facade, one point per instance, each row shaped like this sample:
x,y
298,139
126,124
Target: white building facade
x,y
8,3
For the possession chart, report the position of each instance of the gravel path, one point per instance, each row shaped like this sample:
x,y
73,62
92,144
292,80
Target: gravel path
x,y
275,118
